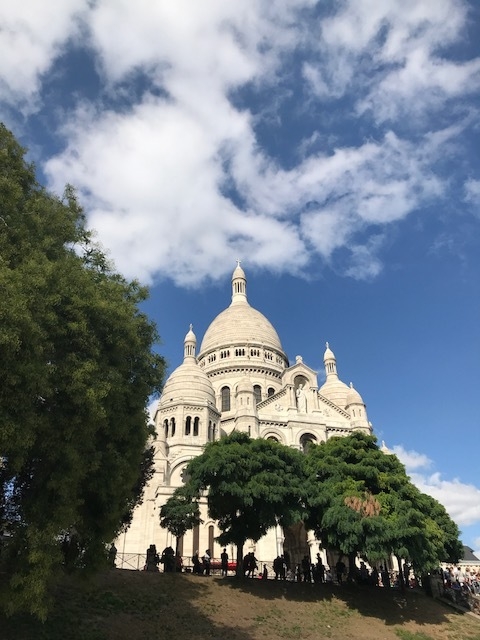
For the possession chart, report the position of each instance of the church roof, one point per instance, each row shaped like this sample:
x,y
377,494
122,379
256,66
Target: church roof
x,y
333,388
240,323
188,383
468,555
353,397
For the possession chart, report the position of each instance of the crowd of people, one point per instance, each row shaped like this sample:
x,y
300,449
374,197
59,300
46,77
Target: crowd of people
x,y
318,572
464,579
171,561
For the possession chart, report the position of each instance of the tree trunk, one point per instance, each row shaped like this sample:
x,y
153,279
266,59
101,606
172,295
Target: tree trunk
x,y
400,574
352,566
239,569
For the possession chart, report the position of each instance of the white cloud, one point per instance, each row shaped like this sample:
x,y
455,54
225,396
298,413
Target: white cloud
x,y
33,34
422,83
461,500
472,191
412,459
396,51
179,183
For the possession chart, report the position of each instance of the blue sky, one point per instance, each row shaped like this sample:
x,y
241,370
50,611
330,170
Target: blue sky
x,y
333,147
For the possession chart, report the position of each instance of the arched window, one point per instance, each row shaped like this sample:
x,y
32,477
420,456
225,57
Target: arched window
x,y
306,440
211,540
188,425
172,426
273,439
165,426
225,398
257,392
196,539
196,423
270,392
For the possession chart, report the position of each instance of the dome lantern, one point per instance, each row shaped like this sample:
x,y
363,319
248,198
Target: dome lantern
x,y
189,344
239,285
333,388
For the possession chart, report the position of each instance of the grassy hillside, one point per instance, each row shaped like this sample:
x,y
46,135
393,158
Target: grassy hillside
x,y
118,605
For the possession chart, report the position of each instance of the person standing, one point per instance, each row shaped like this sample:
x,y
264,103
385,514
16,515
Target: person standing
x,y
307,576
207,559
224,562
278,567
340,568
320,569
197,565
112,554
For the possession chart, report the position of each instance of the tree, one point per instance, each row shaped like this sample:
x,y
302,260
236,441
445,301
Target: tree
x,y
179,514
77,370
360,501
250,485
434,538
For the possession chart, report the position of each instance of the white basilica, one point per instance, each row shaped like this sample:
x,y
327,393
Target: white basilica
x,y
241,379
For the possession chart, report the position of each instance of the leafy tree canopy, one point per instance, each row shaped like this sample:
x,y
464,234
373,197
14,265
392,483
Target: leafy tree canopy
x,y
251,484
360,500
77,370
180,513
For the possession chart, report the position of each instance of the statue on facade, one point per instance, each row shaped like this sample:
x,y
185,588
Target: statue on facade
x,y
301,399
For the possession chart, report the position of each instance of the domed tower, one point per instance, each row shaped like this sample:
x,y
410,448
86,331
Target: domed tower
x,y
239,343
246,416
333,388
357,410
187,417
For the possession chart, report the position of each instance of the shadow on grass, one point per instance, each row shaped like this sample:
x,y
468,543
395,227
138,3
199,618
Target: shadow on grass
x,y
124,605
387,605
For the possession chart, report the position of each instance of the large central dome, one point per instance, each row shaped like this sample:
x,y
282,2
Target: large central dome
x,y
240,324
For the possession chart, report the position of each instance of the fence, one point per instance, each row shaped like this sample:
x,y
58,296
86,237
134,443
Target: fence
x,y
137,561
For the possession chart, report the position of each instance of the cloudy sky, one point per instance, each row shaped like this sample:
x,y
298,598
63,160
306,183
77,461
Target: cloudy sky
x,y
333,147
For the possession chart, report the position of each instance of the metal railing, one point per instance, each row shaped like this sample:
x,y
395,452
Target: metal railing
x,y
133,561
137,561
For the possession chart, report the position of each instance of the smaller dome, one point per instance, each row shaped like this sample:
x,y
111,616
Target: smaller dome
x,y
238,272
328,355
384,449
336,391
190,335
353,397
188,383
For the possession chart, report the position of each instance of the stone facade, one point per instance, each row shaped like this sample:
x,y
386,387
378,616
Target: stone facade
x,y
242,380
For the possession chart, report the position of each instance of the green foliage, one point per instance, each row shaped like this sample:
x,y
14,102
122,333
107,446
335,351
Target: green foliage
x,y
77,370
251,485
360,500
179,514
